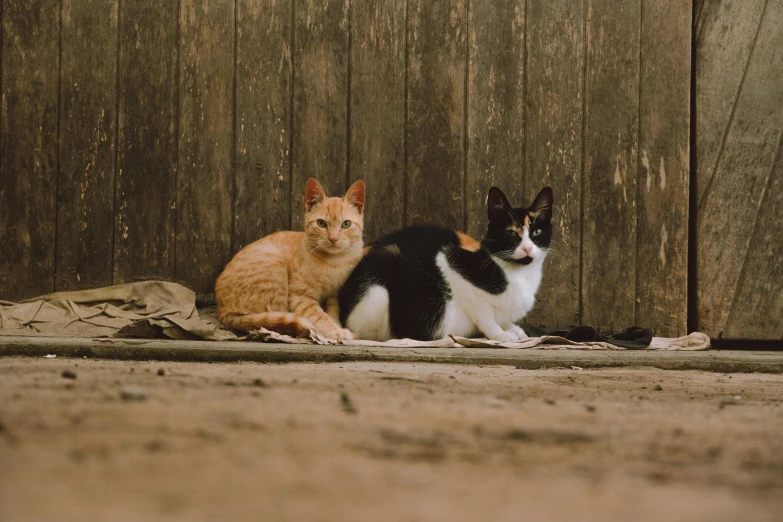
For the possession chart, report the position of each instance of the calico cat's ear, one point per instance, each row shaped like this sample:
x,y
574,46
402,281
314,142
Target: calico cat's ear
x,y
355,195
314,194
542,205
497,204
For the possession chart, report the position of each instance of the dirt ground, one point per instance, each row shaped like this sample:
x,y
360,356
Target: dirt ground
x,y
127,441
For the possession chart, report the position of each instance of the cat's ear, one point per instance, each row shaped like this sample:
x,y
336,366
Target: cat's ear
x,y
355,196
314,194
497,204
542,205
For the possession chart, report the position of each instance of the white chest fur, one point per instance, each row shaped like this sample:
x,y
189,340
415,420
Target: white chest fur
x,y
472,310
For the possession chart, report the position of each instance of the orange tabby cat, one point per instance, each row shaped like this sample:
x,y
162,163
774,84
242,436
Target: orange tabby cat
x,y
280,281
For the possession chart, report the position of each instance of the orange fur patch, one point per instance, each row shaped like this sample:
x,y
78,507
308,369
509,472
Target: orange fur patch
x,y
467,242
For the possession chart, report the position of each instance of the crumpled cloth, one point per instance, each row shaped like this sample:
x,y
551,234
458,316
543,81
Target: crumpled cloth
x,y
142,309
693,341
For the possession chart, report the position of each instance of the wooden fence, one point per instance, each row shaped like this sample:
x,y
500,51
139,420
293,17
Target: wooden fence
x,y
154,139
738,188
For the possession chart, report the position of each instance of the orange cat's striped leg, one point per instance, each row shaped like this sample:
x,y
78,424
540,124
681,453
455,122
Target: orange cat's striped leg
x,y
333,308
309,309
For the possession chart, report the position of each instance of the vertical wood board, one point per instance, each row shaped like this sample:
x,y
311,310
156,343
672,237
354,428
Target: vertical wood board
x,y
728,215
555,86
610,164
727,31
496,107
88,125
147,142
664,170
320,120
435,112
757,311
263,121
28,146
377,111
206,109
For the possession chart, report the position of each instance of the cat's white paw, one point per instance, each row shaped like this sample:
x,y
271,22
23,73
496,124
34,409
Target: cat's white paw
x,y
343,334
519,331
509,336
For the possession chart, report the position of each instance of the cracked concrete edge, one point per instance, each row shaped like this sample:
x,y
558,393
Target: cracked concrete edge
x,y
228,351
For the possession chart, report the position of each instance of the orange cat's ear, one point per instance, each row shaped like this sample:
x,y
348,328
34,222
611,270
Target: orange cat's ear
x,y
314,194
355,195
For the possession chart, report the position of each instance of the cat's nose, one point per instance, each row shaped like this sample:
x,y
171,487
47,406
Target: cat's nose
x,y
527,249
333,240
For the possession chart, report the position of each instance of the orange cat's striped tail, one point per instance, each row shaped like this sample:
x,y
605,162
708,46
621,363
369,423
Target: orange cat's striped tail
x,y
282,322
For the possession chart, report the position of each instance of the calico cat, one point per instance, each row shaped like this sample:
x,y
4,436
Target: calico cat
x,y
281,281
424,282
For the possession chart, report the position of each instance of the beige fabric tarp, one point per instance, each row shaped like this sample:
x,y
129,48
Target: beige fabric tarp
x,y
164,309
143,309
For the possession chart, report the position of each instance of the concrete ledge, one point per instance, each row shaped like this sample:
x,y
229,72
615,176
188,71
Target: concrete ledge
x,y
214,351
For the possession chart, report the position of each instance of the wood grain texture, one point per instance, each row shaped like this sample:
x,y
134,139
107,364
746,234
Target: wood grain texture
x,y
555,86
610,164
320,124
88,125
147,142
263,121
435,133
206,104
726,32
28,146
757,311
728,215
664,170
496,107
377,111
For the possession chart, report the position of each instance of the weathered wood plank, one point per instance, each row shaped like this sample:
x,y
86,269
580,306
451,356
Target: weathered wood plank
x,y
496,107
88,118
377,111
206,104
757,311
147,141
320,120
555,86
610,164
664,172
28,146
728,214
435,134
725,38
263,121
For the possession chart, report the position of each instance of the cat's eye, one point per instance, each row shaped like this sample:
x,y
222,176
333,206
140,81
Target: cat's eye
x,y
511,232
346,224
321,223
536,232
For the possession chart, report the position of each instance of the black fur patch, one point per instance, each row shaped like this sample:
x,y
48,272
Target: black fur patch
x,y
478,268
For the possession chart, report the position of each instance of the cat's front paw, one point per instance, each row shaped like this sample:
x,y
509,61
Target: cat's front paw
x,y
519,331
509,336
341,334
